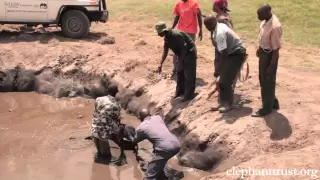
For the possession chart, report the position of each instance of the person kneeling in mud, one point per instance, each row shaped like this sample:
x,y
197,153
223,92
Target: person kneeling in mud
x,y
165,144
106,126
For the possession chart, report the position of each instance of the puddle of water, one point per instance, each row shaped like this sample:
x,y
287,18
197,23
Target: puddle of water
x,y
43,138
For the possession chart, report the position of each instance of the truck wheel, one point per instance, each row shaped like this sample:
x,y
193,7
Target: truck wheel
x,y
75,24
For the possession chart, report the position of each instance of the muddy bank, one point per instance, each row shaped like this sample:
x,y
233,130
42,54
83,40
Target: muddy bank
x,y
75,83
43,138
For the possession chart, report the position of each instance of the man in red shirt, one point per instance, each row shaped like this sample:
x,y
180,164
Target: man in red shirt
x,y
188,17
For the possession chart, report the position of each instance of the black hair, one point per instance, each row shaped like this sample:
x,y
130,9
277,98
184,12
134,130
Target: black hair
x,y
113,90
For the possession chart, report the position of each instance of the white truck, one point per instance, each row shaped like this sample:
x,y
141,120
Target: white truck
x,y
73,16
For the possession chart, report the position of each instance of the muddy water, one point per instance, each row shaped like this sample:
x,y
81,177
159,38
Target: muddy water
x,y
43,138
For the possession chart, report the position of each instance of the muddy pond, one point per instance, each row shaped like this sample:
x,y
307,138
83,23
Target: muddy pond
x,y
43,138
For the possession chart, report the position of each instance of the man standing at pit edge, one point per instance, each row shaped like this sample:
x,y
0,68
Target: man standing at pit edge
x,y
187,17
268,53
182,46
231,55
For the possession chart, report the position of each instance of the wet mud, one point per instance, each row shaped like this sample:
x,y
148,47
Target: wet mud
x,y
51,81
43,138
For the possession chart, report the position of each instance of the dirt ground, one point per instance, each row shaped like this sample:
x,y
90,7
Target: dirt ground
x,y
288,138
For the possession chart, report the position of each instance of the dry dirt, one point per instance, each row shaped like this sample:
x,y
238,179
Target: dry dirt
x,y
285,139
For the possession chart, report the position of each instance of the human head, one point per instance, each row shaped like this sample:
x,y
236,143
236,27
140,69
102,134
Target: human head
x,y
264,12
220,6
161,29
210,22
143,113
113,90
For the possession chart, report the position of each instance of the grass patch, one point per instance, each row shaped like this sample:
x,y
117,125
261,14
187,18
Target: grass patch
x,y
300,19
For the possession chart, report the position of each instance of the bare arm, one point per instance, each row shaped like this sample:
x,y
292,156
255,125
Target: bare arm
x,y
164,54
200,20
175,21
275,57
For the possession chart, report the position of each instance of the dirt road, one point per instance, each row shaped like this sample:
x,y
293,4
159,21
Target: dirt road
x,y
286,139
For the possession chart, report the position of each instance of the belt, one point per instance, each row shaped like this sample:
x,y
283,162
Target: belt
x,y
266,50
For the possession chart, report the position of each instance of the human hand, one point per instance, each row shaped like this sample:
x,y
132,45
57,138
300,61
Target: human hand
x,y
257,53
200,35
159,70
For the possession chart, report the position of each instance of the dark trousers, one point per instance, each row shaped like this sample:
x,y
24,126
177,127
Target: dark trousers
x,y
268,84
157,166
229,70
186,78
103,147
175,57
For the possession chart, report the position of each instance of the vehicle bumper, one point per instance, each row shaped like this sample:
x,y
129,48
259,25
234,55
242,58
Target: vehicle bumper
x,y
101,16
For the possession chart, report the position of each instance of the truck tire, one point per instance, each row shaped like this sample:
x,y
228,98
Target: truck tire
x,y
75,24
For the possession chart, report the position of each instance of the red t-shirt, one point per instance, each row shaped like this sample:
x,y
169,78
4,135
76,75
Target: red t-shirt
x,y
188,12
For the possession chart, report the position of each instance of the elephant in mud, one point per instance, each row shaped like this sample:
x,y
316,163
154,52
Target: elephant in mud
x,y
53,82
18,80
203,155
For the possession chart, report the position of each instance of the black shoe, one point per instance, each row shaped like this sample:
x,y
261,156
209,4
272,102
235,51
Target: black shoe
x,y
189,98
177,96
260,113
225,109
186,99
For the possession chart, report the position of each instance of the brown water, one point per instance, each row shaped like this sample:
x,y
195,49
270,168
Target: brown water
x,y
43,138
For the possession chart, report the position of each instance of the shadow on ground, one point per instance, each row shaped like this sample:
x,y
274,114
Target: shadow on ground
x,y
200,82
239,111
176,108
279,124
7,36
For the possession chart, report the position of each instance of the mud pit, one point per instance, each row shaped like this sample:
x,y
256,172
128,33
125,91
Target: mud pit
x,y
288,138
43,138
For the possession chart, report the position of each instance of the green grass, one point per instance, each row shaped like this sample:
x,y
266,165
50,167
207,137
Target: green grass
x,y
300,19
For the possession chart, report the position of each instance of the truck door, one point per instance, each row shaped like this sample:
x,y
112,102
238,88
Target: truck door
x,y
2,8
26,10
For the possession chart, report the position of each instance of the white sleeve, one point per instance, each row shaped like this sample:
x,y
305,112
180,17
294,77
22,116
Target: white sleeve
x,y
221,39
